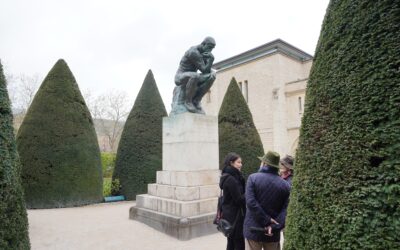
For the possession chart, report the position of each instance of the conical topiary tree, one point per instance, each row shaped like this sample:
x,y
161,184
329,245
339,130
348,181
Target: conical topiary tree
x,y
139,153
346,189
58,146
13,218
237,132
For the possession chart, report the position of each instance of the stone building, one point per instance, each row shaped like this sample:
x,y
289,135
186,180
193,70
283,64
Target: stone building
x,y
273,80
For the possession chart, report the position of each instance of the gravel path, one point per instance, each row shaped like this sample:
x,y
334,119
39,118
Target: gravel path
x,y
105,226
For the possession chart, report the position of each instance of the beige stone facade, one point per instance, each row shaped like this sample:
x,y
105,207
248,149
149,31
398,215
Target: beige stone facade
x,y
273,80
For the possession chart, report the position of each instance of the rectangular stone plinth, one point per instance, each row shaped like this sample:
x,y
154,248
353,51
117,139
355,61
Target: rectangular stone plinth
x,y
188,178
183,201
190,142
178,227
176,207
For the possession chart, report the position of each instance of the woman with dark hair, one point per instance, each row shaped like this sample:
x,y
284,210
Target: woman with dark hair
x,y
232,184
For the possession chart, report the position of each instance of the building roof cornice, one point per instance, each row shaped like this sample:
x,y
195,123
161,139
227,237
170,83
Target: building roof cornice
x,y
276,46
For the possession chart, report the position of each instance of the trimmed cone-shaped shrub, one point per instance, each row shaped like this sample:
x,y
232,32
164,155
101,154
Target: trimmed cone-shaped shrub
x,y
139,154
58,146
346,188
13,217
237,132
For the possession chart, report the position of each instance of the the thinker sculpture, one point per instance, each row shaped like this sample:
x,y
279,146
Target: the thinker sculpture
x,y
192,85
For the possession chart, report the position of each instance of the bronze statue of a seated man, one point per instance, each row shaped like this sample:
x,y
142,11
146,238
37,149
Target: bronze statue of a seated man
x,y
191,84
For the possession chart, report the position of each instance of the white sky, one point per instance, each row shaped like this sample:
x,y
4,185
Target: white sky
x,y
112,44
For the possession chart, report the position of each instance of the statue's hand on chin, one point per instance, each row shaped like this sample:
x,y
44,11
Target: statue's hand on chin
x,y
207,54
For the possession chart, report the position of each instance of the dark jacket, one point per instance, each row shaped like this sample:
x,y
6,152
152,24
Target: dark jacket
x,y
267,196
289,179
234,203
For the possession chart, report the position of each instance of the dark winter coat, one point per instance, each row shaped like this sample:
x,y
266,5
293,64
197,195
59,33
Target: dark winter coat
x,y
232,183
267,196
289,179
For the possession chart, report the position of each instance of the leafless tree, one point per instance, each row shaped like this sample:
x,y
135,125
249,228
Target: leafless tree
x,y
28,88
109,112
12,88
22,89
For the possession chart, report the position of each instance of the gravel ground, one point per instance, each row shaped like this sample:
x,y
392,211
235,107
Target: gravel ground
x,y
105,226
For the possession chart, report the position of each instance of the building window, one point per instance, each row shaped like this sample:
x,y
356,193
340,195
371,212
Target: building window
x,y
246,91
300,105
244,88
209,96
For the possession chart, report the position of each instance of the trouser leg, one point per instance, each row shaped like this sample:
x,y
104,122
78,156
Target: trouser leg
x,y
235,244
253,245
271,246
204,88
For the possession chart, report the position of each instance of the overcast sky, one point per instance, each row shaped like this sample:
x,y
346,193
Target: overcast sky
x,y
112,44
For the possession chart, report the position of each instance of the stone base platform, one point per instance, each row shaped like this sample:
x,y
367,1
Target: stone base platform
x,y
183,201
177,227
181,204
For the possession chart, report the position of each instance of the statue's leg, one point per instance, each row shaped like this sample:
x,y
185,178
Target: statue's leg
x,y
191,87
202,90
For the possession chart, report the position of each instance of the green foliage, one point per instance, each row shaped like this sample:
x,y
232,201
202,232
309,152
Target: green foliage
x,y
108,164
111,187
237,132
107,187
139,151
13,217
58,146
115,187
346,190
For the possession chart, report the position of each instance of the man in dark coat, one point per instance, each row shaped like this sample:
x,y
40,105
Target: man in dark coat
x,y
267,198
232,183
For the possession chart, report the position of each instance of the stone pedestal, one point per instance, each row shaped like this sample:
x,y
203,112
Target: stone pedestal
x,y
183,201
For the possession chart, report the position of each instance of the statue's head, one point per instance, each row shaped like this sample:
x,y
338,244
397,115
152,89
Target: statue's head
x,y
208,44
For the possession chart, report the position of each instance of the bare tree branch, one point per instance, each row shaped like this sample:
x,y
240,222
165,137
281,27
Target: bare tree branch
x,y
22,90
109,111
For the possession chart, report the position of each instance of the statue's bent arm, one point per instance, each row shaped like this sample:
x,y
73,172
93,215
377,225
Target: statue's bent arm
x,y
197,59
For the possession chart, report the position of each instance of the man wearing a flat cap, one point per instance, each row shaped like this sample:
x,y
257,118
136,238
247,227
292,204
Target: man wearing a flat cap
x,y
267,198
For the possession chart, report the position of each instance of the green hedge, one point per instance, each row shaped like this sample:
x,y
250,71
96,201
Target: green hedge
x,y
237,132
139,151
58,146
13,217
346,190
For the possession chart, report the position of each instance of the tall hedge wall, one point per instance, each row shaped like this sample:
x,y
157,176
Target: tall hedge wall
x,y
346,189
237,132
139,154
58,145
13,217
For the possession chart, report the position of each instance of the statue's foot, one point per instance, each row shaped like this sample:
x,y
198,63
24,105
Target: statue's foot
x,y
198,107
190,107
200,111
